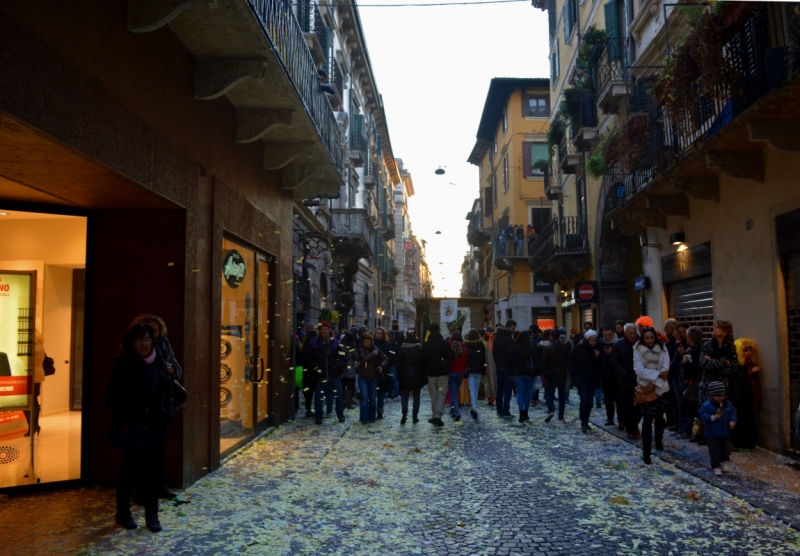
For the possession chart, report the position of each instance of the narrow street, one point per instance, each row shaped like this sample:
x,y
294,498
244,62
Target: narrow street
x,y
486,487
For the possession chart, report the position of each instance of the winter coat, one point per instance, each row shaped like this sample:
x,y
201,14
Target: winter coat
x,y
519,361
138,398
165,351
459,364
476,357
436,355
675,360
717,428
607,373
648,363
389,348
584,366
371,362
555,361
501,349
692,371
409,372
536,353
622,363
349,358
327,358
724,363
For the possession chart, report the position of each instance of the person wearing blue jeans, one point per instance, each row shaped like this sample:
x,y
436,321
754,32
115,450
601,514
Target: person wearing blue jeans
x,y
476,367
455,385
549,394
522,371
370,367
524,386
503,340
332,392
503,401
584,367
598,397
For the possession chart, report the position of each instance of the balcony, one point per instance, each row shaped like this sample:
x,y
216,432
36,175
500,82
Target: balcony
x,y
358,148
353,233
613,83
561,250
386,228
552,182
255,54
569,159
584,124
669,156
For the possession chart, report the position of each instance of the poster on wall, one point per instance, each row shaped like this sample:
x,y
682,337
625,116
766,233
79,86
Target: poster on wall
x,y
17,315
448,310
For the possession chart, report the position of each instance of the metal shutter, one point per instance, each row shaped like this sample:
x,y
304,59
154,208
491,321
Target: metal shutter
x,y
792,275
692,303
568,321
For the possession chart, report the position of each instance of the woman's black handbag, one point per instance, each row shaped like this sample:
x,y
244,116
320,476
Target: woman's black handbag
x,y
179,395
49,366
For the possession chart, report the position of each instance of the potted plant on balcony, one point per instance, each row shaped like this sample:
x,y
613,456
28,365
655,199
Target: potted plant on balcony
x,y
540,165
555,134
604,155
592,45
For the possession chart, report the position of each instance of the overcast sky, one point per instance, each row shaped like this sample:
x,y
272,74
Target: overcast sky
x,y
433,66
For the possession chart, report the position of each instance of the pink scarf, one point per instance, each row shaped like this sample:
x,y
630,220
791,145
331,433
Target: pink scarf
x,y
150,358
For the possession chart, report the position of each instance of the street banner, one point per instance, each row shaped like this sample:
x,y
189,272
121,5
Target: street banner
x,y
448,310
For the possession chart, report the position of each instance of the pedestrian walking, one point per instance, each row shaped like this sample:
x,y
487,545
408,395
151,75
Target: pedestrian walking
x,y
371,363
394,349
718,361
141,410
327,371
386,382
503,341
719,421
584,368
174,372
651,363
410,375
457,372
491,368
305,358
568,339
608,378
522,372
349,376
555,362
536,359
436,356
476,367
622,363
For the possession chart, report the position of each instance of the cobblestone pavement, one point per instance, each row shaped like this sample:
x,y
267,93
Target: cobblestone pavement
x,y
488,487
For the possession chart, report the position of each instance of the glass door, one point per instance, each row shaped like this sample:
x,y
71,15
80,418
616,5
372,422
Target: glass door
x,y
244,388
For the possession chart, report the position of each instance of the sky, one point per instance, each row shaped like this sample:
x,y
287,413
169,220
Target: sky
x,y
433,66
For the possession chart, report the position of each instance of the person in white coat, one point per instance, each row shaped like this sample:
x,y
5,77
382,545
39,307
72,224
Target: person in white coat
x,y
651,363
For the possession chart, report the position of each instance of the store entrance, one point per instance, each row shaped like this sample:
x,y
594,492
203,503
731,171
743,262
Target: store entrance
x,y
41,315
244,344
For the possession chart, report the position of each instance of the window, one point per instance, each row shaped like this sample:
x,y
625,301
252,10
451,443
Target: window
x,y
569,15
540,218
531,154
505,119
554,67
537,107
505,173
494,149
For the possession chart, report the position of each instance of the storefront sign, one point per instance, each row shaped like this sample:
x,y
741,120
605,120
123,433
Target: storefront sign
x,y
233,268
542,286
641,283
587,291
688,263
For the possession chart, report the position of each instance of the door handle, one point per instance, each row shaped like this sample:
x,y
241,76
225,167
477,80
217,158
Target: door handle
x,y
259,362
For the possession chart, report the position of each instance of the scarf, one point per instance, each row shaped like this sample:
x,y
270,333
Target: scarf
x,y
150,358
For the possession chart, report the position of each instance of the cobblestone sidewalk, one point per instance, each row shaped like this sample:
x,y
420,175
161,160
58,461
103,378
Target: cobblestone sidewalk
x,y
488,487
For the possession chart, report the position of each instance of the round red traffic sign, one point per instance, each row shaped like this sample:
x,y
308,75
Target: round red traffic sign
x,y
586,291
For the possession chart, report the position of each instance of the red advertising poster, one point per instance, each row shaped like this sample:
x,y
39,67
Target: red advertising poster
x,y
17,332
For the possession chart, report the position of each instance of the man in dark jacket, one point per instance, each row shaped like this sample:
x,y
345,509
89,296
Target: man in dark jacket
x,y
608,377
622,363
435,357
555,361
503,340
327,371
536,357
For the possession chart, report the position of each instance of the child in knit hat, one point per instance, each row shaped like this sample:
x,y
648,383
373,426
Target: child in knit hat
x,y
719,418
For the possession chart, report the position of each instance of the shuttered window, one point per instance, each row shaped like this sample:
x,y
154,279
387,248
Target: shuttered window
x,y
568,13
692,302
531,153
612,30
554,67
551,17
488,204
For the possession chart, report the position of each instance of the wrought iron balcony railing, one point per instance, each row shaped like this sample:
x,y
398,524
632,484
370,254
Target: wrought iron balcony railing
x,y
284,33
562,236
353,226
612,80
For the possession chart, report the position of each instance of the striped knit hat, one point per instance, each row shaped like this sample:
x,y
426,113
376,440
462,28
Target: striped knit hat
x,y
716,389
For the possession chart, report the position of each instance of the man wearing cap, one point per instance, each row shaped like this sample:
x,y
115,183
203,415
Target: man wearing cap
x,y
434,358
327,371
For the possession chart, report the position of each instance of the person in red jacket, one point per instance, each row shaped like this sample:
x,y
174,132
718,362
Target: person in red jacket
x,y
457,369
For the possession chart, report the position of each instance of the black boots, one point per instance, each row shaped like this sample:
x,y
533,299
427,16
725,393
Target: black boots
x,y
152,523
415,418
125,519
523,416
404,419
380,414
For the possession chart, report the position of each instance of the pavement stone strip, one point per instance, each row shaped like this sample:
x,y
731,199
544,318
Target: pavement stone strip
x,y
487,487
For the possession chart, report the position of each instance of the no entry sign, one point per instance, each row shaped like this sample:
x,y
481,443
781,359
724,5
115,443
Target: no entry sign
x,y
587,292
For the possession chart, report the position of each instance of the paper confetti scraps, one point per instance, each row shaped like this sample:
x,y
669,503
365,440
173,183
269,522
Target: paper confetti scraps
x,y
170,264
692,495
619,500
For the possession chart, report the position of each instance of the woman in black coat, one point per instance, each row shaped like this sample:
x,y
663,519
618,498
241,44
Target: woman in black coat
x,y
411,376
142,409
522,372
584,370
476,367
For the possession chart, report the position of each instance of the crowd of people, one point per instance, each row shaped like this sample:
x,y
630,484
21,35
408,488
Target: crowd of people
x,y
651,381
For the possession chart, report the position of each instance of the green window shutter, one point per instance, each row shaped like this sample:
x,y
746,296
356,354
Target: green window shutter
x,y
566,13
551,17
612,29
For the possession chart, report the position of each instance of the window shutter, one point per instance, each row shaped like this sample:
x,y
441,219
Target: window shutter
x,y
526,106
551,17
526,159
612,29
487,201
566,13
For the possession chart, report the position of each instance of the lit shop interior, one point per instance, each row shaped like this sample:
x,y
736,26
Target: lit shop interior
x,y
42,293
